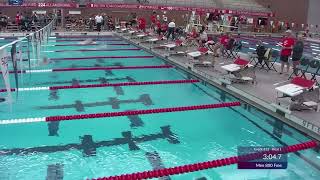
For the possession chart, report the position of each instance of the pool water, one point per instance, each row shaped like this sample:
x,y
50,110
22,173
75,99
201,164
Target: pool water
x,y
91,148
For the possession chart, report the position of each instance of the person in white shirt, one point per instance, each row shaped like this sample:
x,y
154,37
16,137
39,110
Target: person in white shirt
x,y
203,38
99,20
171,29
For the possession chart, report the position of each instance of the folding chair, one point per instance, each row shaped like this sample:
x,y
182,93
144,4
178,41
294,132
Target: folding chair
x,y
314,68
228,50
270,58
302,68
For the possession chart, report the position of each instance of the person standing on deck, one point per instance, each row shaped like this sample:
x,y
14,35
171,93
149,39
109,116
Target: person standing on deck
x,y
99,20
287,45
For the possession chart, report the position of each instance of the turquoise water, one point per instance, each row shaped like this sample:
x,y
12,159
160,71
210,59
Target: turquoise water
x,y
195,135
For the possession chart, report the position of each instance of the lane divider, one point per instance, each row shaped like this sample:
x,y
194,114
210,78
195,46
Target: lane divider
x,y
103,85
76,40
92,69
208,164
86,36
89,50
121,113
110,44
101,57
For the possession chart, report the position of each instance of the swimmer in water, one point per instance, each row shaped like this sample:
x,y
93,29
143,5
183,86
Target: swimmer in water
x,y
46,61
87,41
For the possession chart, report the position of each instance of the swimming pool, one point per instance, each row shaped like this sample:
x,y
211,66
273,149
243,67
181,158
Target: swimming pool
x,y
98,147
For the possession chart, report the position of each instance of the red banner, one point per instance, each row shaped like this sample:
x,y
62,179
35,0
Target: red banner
x,y
58,5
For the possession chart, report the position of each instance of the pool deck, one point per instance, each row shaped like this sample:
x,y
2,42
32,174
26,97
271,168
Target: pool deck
x,y
262,94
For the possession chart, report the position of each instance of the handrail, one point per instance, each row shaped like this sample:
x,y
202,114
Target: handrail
x,y
29,35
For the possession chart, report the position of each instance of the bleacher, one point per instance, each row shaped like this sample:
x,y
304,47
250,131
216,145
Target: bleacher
x,y
249,5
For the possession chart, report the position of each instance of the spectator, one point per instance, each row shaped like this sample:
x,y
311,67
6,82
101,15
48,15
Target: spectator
x,y
171,29
142,24
34,18
98,20
297,52
287,45
203,36
133,19
164,27
18,18
110,23
3,22
153,19
158,27
261,50
224,39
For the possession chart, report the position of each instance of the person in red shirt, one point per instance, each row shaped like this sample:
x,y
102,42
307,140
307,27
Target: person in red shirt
x,y
18,18
164,27
142,24
287,46
224,39
194,34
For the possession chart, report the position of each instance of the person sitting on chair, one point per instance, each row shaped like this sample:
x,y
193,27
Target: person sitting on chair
x,y
203,37
224,39
261,50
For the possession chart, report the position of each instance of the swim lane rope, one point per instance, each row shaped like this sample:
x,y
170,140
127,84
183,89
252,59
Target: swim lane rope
x,y
206,165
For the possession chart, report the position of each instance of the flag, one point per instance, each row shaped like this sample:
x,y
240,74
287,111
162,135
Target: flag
x,y
28,51
14,64
5,73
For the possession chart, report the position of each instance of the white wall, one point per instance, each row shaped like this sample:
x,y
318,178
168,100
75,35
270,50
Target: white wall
x,y
314,13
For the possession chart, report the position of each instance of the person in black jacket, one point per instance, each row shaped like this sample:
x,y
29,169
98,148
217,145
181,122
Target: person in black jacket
x,y
260,50
297,52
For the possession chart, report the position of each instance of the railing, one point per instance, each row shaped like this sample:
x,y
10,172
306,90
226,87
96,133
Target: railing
x,y
23,53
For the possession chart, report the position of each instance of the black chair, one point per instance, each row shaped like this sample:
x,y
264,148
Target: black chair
x,y
275,56
302,68
228,50
314,68
270,58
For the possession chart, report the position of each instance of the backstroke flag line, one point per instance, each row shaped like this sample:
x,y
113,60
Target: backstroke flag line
x,y
5,73
15,64
19,58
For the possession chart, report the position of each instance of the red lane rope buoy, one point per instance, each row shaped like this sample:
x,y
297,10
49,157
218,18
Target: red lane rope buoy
x,y
97,68
102,57
93,50
125,84
112,68
203,165
5,90
104,85
140,112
